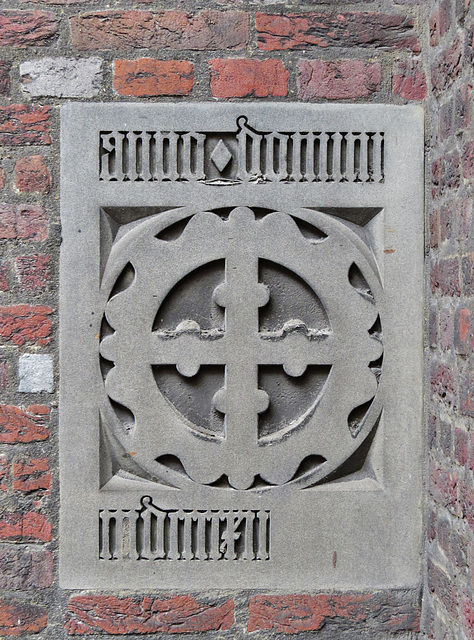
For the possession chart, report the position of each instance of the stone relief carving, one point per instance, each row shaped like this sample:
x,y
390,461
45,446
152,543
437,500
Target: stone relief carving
x,y
227,346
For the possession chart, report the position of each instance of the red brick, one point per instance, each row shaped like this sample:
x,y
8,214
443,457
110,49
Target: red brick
x,y
409,81
346,29
5,78
31,475
33,272
447,67
445,277
148,77
23,568
337,80
18,618
206,30
27,526
20,29
171,614
32,175
462,330
300,613
22,124
468,617
25,324
17,425
240,78
2,178
468,160
23,222
444,487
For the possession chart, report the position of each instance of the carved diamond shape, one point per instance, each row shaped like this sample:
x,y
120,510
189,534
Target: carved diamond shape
x,y
221,156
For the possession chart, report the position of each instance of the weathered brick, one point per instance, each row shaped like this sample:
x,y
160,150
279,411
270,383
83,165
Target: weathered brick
x,y
149,77
5,78
58,2
445,438
23,222
447,66
467,394
446,220
409,81
467,264
444,487
461,446
27,28
463,105
2,178
62,77
300,613
446,120
24,124
434,28
462,330
171,614
205,30
32,175
443,383
468,617
5,469
25,324
19,526
446,329
5,275
339,79
239,78
446,174
440,584
445,277
25,568
468,160
4,374
466,499
19,618
31,475
434,227
347,29
18,425
32,272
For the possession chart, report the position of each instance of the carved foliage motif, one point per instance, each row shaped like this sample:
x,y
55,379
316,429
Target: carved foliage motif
x,y
240,348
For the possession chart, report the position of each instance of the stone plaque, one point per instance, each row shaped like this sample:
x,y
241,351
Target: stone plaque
x,y
241,346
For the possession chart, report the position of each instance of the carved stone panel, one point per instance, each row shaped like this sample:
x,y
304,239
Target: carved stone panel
x,y
241,346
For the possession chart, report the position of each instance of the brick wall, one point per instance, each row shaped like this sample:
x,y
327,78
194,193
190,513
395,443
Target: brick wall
x,y
448,594
54,51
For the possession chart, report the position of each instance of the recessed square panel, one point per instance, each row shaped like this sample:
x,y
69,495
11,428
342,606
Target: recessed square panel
x,y
241,346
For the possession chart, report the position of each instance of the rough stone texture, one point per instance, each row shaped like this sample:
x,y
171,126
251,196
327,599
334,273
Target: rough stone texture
x,y
18,425
25,324
32,175
164,30
62,77
293,614
18,617
337,80
24,124
4,78
149,77
240,78
409,81
35,373
25,568
23,222
356,29
27,28
173,614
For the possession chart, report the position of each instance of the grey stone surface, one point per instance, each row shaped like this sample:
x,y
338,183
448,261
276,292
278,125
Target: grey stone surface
x,y
241,346
62,77
35,372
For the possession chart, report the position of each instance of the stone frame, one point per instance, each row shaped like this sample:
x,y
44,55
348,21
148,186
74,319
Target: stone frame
x,y
336,544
